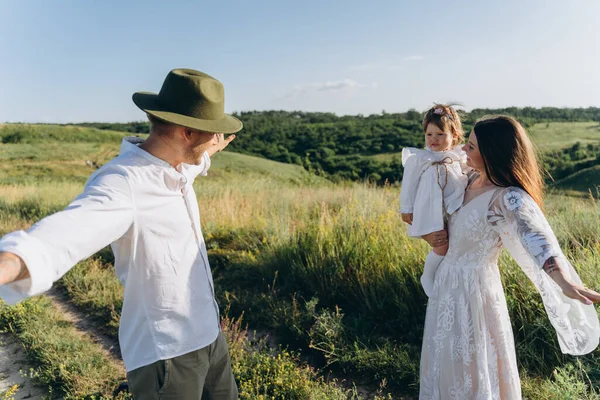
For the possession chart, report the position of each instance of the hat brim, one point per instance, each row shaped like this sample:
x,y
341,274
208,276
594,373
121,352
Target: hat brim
x,y
148,102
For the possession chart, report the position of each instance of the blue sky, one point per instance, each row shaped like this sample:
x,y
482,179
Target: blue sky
x,y
75,60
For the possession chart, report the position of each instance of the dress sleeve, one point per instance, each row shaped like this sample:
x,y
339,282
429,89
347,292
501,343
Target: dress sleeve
x,y
413,168
526,234
462,158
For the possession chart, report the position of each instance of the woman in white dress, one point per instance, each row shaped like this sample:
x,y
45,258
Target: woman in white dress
x,y
468,347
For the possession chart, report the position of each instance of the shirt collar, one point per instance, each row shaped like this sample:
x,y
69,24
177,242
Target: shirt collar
x,y
131,144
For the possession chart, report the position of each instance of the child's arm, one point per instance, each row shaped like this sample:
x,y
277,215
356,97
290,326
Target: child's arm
x,y
462,156
410,182
407,217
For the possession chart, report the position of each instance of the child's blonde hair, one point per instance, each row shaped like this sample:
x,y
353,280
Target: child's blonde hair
x,y
445,117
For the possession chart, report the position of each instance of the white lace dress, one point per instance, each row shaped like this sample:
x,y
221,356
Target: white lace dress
x,y
468,347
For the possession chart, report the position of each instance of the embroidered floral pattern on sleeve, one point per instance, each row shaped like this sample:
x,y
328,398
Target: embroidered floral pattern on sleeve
x,y
468,345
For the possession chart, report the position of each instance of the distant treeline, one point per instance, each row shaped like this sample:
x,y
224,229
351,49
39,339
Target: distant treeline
x,y
133,127
340,147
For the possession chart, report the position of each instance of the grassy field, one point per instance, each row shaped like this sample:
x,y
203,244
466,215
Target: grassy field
x,y
35,153
546,136
327,270
584,182
556,135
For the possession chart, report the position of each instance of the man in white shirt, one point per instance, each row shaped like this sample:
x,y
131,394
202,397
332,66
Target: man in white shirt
x,y
143,204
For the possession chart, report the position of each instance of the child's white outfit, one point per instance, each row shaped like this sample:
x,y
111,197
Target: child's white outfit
x,y
426,172
433,187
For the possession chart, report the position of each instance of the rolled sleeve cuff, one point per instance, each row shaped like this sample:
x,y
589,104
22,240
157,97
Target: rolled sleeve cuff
x,y
406,210
40,272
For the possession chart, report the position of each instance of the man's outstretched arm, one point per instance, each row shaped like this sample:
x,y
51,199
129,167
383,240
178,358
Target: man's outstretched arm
x,y
31,261
12,268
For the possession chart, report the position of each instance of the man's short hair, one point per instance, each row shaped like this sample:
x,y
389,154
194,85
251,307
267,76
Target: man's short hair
x,y
156,121
159,126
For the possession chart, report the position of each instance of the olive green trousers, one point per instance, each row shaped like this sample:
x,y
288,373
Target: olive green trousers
x,y
202,374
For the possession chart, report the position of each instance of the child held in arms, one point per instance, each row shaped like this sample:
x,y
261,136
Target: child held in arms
x,y
434,182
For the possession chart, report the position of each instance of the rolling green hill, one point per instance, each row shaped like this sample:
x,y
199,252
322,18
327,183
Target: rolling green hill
x,y
242,164
359,147
546,136
584,182
556,135
71,153
34,152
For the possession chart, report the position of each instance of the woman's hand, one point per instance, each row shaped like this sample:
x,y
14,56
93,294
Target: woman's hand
x,y
570,289
407,218
578,292
436,239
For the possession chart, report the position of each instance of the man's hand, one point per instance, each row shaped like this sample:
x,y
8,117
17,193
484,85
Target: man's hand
x,y
407,218
219,143
436,239
12,268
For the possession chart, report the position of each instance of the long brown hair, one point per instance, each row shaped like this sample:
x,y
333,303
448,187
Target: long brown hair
x,y
508,155
445,117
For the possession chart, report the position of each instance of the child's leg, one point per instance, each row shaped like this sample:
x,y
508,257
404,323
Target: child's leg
x,y
432,262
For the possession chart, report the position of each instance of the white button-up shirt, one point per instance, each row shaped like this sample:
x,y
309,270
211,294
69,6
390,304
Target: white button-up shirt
x,y
147,210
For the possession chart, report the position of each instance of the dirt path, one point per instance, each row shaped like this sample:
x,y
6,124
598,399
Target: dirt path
x,y
12,361
86,326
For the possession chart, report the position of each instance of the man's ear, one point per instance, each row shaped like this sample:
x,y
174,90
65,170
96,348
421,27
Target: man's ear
x,y
186,133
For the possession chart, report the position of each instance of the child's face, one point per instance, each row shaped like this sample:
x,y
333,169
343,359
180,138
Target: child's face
x,y
436,139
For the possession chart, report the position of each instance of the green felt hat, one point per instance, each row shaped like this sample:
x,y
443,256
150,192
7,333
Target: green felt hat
x,y
191,99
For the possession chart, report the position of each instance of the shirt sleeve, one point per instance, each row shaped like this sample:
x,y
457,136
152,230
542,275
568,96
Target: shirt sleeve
x,y
205,164
526,234
99,216
410,179
193,170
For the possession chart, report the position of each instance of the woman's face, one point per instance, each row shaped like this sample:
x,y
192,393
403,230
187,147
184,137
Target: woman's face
x,y
474,159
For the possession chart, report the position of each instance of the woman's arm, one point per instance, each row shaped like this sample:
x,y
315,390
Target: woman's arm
x,y
436,239
572,290
526,234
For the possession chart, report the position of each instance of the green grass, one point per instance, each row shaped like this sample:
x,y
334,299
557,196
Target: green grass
x,y
261,372
241,164
36,134
92,286
33,153
556,135
546,137
69,363
330,270
584,182
387,156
